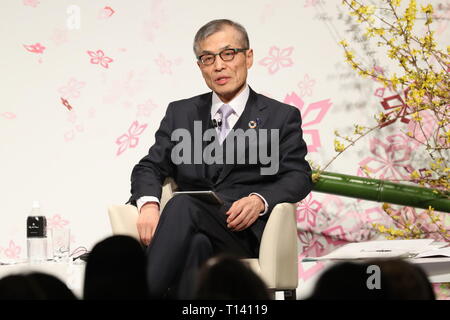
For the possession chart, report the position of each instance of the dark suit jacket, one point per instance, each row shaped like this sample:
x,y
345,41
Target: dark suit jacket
x,y
291,184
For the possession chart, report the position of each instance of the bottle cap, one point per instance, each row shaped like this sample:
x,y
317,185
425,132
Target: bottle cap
x,y
36,204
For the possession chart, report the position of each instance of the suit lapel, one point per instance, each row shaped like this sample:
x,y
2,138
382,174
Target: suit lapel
x,y
204,114
253,111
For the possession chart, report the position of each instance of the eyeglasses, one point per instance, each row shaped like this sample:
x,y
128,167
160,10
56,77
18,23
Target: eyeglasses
x,y
226,55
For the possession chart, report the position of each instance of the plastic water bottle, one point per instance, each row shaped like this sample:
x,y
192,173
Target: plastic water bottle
x,y
36,235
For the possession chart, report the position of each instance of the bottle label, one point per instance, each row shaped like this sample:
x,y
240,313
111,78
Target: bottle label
x,y
36,227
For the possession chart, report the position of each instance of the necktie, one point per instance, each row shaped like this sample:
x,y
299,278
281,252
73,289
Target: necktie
x,y
225,111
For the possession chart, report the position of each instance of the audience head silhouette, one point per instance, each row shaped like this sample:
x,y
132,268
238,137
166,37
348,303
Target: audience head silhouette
x,y
385,279
407,281
34,286
116,269
349,281
228,278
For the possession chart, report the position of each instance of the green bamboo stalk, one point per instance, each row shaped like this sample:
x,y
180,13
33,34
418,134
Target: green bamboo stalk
x,y
381,191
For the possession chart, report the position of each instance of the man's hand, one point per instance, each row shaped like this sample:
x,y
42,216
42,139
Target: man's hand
x,y
147,221
244,212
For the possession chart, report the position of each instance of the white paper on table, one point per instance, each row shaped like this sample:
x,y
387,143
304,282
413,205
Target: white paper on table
x,y
437,252
378,249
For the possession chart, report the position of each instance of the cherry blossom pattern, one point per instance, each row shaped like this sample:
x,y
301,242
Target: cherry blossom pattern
x,y
131,138
424,131
12,251
66,104
99,57
390,159
351,226
70,135
30,3
379,92
413,217
398,108
155,21
72,89
106,12
77,127
57,221
306,86
310,246
268,11
277,59
311,3
126,86
35,48
8,115
145,109
311,115
307,211
164,64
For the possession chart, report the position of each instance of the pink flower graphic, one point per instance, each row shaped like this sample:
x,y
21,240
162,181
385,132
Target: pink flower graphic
x,y
69,135
8,115
72,89
373,215
13,251
306,86
310,244
99,58
35,48
56,221
130,139
380,92
156,19
31,3
72,117
163,64
307,211
389,160
277,59
313,115
106,12
398,107
267,12
146,108
126,86
423,131
336,232
311,3
351,226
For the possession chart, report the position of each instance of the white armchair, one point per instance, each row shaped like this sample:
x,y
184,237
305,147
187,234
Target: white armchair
x,y
277,263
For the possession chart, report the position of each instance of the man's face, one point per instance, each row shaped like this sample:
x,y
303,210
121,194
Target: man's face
x,y
225,78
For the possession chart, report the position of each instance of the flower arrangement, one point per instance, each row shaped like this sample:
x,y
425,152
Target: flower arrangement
x,y
420,71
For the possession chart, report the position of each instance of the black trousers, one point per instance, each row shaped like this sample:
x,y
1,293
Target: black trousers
x,y
189,232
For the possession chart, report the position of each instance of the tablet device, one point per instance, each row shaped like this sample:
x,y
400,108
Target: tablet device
x,y
207,196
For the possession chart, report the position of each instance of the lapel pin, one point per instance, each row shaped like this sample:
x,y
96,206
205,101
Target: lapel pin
x,y
252,124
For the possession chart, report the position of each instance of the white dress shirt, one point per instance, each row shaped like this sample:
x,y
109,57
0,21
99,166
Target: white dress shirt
x,y
238,105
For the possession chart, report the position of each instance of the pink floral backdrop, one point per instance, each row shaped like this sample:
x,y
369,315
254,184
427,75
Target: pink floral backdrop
x,y
86,84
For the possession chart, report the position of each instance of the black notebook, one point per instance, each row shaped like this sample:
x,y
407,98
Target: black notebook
x,y
207,196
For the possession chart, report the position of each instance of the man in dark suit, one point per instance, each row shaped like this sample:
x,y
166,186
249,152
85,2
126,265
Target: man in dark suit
x,y
190,230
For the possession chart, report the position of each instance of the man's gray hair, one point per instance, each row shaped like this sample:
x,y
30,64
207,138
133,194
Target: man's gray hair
x,y
218,25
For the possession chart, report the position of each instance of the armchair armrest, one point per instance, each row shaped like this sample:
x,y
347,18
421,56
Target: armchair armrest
x,y
278,254
124,217
123,220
